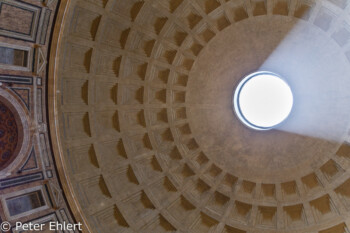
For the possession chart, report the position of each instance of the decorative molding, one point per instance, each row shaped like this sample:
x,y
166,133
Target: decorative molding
x,y
31,162
10,182
40,61
29,58
16,79
25,142
20,193
23,94
18,11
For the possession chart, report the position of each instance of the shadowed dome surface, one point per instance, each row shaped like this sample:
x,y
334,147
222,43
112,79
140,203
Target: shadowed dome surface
x,y
8,136
146,136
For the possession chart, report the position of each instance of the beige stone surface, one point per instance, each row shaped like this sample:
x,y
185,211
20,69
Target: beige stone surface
x,y
143,128
317,125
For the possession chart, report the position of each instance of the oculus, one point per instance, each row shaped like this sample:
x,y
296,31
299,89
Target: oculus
x,y
263,100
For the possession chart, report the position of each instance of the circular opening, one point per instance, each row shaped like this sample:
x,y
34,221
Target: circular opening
x,y
263,100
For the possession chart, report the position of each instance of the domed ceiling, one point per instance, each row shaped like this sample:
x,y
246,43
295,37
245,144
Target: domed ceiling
x,y
143,126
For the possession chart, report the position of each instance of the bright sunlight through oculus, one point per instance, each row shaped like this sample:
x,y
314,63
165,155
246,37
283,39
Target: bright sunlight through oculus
x,y
263,100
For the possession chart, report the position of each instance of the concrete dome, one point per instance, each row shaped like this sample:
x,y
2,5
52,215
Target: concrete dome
x,y
142,122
